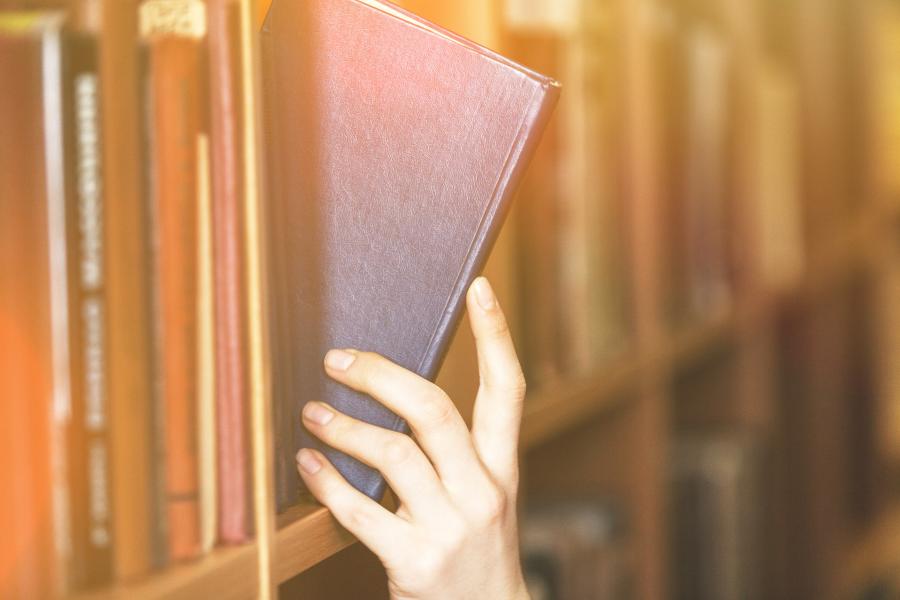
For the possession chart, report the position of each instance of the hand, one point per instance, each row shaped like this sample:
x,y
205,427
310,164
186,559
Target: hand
x,y
455,534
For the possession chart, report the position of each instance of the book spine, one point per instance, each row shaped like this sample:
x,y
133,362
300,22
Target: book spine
x,y
230,353
708,67
286,476
89,481
206,356
177,99
34,369
133,471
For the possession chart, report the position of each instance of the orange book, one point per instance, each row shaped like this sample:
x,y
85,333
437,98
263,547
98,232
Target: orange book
x,y
33,317
177,100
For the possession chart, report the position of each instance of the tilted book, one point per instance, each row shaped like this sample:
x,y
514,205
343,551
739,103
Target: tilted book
x,y
394,148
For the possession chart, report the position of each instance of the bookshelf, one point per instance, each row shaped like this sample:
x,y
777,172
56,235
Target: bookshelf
x,y
307,535
613,427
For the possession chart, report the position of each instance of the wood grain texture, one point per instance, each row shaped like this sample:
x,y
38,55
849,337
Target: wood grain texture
x,y
226,573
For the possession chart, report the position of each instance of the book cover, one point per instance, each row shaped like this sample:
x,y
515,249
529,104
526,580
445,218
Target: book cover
x,y
393,156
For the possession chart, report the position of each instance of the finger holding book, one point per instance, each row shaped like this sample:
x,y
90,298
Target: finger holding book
x,y
455,517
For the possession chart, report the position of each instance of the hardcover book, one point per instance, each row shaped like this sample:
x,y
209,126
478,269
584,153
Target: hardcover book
x,y
393,155
34,320
177,117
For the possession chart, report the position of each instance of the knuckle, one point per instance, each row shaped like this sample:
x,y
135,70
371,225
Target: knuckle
x,y
492,508
429,564
513,385
454,534
437,408
356,519
398,449
517,384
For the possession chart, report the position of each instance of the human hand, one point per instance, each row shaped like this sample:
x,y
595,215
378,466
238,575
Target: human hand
x,y
455,533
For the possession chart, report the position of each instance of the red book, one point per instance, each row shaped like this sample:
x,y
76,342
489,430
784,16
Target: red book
x,y
177,101
226,141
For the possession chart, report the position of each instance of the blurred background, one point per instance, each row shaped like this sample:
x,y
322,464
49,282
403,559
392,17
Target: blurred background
x,y
701,270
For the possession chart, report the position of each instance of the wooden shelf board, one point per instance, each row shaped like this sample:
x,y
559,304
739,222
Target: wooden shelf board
x,y
226,573
307,534
559,406
876,553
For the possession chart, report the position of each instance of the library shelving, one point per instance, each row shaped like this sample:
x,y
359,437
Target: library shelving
x,y
610,430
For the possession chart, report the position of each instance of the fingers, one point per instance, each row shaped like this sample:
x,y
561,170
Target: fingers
x,y
431,415
498,407
384,533
394,454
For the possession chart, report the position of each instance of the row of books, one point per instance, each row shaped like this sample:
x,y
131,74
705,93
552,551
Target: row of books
x,y
573,223
576,548
121,290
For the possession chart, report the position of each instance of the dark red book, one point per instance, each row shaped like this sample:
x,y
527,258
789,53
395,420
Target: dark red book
x,y
226,148
177,71
394,149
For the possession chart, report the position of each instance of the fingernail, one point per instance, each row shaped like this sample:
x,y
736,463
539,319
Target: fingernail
x,y
484,294
317,413
308,462
339,360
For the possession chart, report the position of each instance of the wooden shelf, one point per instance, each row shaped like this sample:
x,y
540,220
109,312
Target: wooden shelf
x,y
226,573
876,553
307,533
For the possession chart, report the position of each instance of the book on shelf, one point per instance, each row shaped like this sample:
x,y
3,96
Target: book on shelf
x,y
575,549
716,516
391,175
536,217
592,269
692,72
706,183
34,308
777,201
129,360
886,73
572,259
174,38
226,145
89,442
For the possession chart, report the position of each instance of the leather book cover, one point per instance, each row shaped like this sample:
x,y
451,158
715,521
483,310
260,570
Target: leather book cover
x,y
127,271
394,149
88,444
34,368
226,141
177,97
